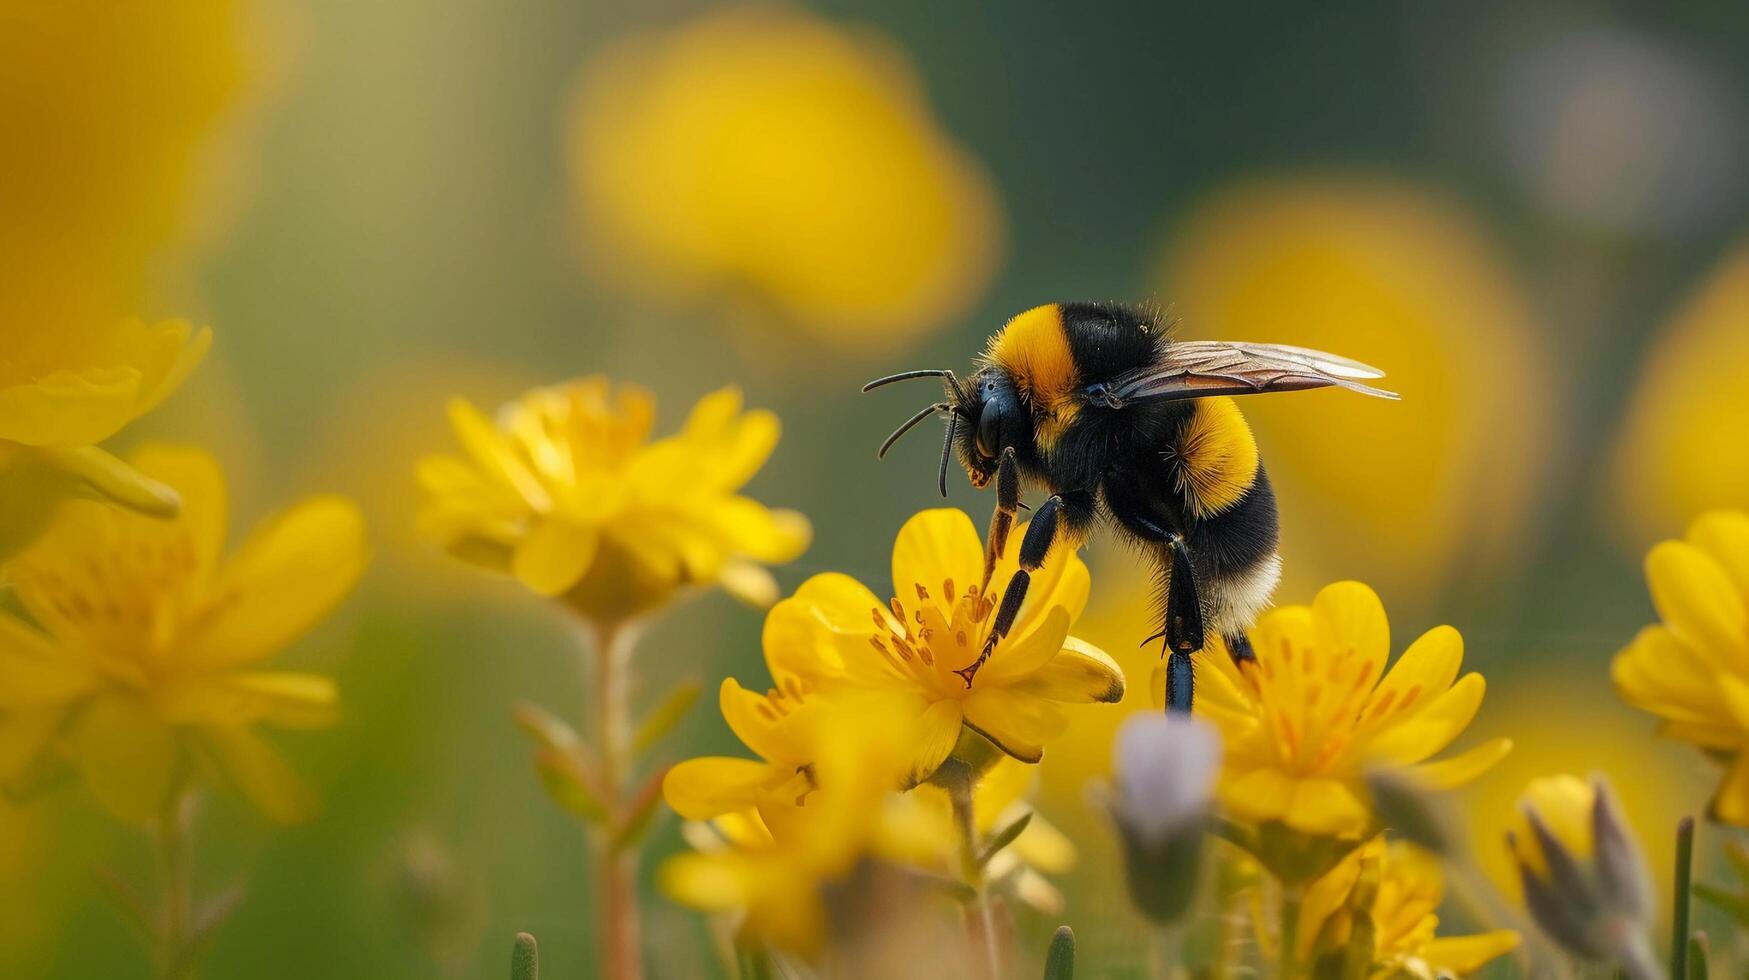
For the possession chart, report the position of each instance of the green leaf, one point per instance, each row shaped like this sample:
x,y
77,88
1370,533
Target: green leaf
x,y
1733,905
566,780
1004,837
663,718
1697,958
636,818
525,958
1060,961
547,729
1683,893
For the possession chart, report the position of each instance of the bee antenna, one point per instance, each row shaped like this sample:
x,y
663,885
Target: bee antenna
x,y
953,422
908,425
906,376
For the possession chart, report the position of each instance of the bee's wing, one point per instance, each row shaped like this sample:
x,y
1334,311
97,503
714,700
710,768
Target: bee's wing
x,y
1198,368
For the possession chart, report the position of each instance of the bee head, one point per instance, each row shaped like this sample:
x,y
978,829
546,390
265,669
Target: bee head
x,y
984,416
996,420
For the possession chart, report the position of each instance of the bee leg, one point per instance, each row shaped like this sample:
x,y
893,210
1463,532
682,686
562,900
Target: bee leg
x,y
1007,504
1042,532
1180,682
1239,647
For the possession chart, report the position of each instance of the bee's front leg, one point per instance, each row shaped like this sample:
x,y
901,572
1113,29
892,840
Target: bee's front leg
x,y
1072,511
1007,505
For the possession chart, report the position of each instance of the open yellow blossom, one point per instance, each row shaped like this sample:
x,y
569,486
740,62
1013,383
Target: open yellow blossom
x,y
64,388
1692,669
909,647
144,658
775,873
763,153
1404,900
566,494
1318,711
1680,450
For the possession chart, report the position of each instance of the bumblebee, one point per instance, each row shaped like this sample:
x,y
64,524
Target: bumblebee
x,y
1095,404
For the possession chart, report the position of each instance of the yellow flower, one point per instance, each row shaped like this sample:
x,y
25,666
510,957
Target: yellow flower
x,y
1319,711
1410,886
1562,720
767,151
62,390
775,873
1680,449
1563,803
143,660
1692,670
565,494
908,649
1406,493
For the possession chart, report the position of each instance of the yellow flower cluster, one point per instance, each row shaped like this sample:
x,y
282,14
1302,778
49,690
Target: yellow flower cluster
x,y
764,151
1692,669
566,492
835,651
1319,711
1398,888
141,656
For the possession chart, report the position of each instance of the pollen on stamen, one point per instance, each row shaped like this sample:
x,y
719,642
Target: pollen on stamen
x,y
898,609
1384,705
959,637
947,590
924,654
766,711
922,593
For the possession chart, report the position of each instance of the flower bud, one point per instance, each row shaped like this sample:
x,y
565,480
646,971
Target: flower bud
x,y
1165,771
1585,880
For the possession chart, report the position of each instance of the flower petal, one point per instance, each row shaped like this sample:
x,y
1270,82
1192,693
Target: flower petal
x,y
33,673
200,482
699,789
1731,803
1465,767
1080,673
492,452
1432,728
1659,672
1697,599
1325,807
771,735
91,471
1258,796
1424,670
290,700
938,730
1349,615
1463,955
1019,655
554,555
260,774
1019,723
1724,535
290,573
933,546
128,757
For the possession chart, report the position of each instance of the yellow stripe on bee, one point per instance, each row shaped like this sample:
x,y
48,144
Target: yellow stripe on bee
x,y
1034,350
1216,457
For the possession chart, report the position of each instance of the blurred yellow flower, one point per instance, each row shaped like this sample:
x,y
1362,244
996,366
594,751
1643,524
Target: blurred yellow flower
x,y
566,494
1681,447
1406,494
766,150
1564,805
1563,719
141,658
110,110
908,649
776,874
1692,670
1404,899
63,389
1318,711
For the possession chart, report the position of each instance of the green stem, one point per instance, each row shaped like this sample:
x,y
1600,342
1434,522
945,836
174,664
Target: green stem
x,y
171,833
960,792
1168,952
615,865
1684,886
1290,932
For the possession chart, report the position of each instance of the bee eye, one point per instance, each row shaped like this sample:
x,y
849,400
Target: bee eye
x,y
989,424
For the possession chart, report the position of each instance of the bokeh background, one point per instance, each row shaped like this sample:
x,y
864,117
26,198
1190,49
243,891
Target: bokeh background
x,y
1532,216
